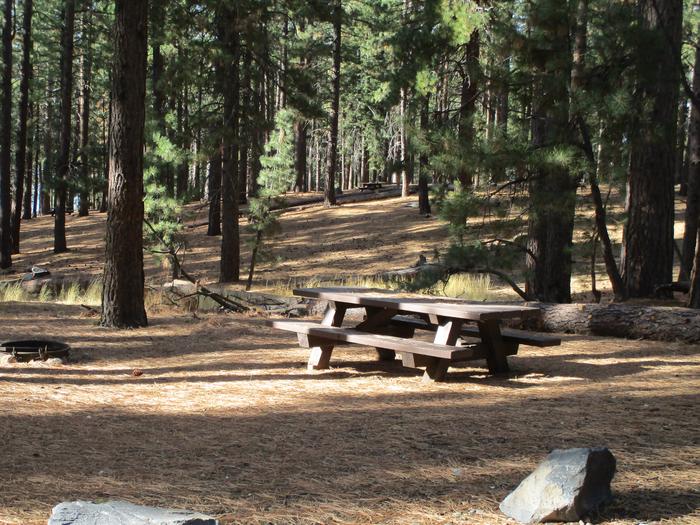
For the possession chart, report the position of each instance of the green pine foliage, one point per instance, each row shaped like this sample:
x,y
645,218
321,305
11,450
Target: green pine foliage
x,y
276,177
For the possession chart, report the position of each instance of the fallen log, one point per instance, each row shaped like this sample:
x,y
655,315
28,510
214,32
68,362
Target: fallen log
x,y
630,321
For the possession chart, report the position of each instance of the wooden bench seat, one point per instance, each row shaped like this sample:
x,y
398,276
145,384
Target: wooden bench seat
x,y
318,335
436,358
509,335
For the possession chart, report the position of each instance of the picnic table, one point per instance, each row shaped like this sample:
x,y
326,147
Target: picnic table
x,y
370,186
391,320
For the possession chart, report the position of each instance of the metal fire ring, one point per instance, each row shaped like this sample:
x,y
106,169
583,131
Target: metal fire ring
x,y
30,350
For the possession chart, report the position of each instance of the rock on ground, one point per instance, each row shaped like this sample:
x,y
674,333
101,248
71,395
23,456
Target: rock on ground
x,y
567,486
123,513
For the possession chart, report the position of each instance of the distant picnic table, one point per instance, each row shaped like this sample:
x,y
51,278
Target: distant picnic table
x,y
371,186
391,321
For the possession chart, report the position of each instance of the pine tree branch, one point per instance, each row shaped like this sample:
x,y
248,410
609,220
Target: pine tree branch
x,y
519,246
226,302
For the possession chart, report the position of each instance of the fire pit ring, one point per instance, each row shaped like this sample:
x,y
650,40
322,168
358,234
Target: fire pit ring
x,y
31,350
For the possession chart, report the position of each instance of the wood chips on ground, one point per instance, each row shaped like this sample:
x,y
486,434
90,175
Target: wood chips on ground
x,y
226,420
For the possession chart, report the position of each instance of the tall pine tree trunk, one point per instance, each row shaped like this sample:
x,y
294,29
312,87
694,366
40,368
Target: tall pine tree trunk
x,y
21,153
467,108
405,155
29,170
692,210
6,140
45,197
647,258
329,195
230,240
300,133
85,114
245,128
123,294
63,168
214,192
423,193
552,189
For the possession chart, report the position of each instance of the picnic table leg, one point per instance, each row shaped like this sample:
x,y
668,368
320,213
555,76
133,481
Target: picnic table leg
x,y
377,318
320,356
447,334
490,332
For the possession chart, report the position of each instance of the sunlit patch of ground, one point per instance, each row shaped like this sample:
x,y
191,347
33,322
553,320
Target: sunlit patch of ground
x,y
226,420
360,239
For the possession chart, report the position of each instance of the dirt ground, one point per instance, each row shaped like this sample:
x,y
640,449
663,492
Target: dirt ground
x,y
359,239
226,420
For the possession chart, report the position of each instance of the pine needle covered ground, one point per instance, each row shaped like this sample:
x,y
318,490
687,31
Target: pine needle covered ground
x,y
225,419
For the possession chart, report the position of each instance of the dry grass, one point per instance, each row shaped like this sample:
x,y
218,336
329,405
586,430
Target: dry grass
x,y
226,420
475,287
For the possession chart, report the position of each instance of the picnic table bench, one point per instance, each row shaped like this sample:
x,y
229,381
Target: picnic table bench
x,y
371,186
389,326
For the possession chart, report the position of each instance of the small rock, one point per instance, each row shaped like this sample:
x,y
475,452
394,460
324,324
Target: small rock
x,y
123,513
136,372
567,486
181,286
54,361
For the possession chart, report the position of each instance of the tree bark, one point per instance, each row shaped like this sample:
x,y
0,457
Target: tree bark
x,y
29,170
300,133
423,188
245,128
681,175
123,294
694,295
182,141
230,241
37,175
214,192
552,190
467,109
6,140
620,320
692,209
405,155
44,198
21,153
84,208
63,168
329,195
647,257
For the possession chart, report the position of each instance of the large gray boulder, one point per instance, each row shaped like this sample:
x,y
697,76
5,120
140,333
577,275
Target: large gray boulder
x,y
123,513
567,486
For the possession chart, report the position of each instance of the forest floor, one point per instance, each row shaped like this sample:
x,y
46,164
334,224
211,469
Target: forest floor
x,y
317,244
226,420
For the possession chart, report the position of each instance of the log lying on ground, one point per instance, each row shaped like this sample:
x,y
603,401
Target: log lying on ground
x,y
659,323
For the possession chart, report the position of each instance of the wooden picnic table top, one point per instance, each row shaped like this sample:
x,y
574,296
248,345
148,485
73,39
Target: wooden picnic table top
x,y
445,307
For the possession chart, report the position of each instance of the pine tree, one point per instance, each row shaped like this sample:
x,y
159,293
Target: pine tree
x,y
6,140
123,294
647,257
